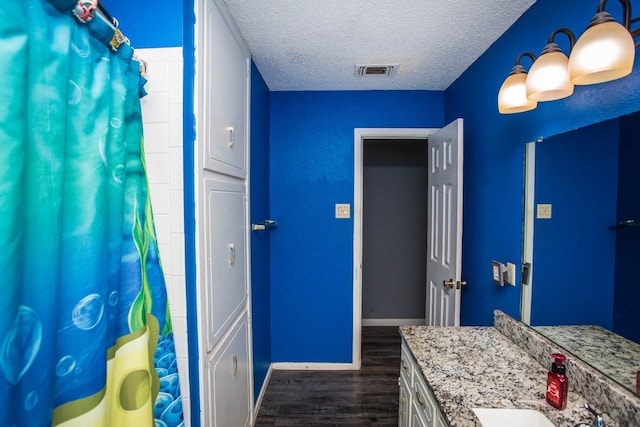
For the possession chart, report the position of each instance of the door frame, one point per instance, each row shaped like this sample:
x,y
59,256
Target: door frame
x,y
359,136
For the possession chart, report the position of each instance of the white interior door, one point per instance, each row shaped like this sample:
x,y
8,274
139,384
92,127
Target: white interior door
x,y
444,226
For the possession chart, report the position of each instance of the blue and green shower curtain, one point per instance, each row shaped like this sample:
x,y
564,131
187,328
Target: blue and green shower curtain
x,y
85,331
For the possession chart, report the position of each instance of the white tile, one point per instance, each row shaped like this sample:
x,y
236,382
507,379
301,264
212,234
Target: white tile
x,y
183,373
175,82
186,411
158,165
159,198
178,296
152,54
156,138
175,167
157,76
180,335
163,228
165,258
169,286
177,254
176,206
155,107
173,53
175,125
175,91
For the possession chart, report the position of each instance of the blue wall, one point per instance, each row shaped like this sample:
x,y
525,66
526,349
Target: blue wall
x,y
574,251
259,206
150,24
311,251
494,145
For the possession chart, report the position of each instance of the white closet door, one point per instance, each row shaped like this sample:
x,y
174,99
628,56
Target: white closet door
x,y
228,380
225,250
225,86
444,226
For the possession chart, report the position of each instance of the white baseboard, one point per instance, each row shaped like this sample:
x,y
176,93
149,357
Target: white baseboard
x,y
392,322
263,390
313,366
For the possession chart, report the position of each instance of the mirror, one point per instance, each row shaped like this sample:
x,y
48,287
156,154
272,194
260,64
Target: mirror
x,y
582,237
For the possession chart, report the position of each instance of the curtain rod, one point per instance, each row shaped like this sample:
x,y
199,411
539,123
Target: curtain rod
x,y
85,10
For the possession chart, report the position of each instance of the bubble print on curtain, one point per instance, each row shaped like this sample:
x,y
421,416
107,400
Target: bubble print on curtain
x,y
85,329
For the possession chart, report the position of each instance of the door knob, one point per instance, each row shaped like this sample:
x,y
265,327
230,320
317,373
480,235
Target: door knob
x,y
453,284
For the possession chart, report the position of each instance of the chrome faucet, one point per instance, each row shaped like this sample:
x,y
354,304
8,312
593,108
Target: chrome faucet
x,y
597,421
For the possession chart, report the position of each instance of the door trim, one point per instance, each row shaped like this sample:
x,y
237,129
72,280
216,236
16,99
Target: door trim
x,y
359,136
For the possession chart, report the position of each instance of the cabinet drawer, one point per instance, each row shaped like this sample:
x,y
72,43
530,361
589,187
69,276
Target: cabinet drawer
x,y
424,402
424,410
406,365
440,422
417,416
404,404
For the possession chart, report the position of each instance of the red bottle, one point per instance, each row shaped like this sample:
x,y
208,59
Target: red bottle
x,y
557,384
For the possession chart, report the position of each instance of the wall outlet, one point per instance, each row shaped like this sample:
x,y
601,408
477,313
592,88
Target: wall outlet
x,y
511,274
498,273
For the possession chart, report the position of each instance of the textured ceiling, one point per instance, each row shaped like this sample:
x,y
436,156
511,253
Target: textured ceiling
x,y
315,44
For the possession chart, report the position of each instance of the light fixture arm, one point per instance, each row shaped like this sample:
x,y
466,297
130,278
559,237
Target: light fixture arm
x,y
626,12
518,68
551,44
527,54
635,33
603,16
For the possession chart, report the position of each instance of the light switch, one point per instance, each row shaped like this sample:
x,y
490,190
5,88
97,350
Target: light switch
x,y
544,211
343,210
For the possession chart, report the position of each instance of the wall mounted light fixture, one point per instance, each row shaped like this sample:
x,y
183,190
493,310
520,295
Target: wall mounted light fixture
x,y
605,52
512,97
549,75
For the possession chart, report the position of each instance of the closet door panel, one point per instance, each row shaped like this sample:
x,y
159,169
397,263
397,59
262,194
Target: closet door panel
x,y
225,251
225,100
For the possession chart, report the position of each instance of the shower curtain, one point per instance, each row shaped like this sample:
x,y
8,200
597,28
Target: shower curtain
x,y
85,331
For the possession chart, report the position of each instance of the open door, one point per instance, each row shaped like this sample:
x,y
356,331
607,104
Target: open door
x,y
444,226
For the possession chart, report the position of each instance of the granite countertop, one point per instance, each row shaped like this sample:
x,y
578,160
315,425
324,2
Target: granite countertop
x,y
478,367
613,355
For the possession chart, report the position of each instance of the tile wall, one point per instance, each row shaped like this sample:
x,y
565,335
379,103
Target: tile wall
x,y
162,119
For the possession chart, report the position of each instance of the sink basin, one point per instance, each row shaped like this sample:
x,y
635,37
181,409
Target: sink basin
x,y
503,417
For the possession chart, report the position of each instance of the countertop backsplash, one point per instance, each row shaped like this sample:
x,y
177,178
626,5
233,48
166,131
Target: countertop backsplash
x,y
604,393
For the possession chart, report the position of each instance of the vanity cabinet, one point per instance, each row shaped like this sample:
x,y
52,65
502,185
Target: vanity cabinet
x,y
417,404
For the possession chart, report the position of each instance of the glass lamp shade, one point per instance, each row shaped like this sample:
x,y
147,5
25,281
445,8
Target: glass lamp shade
x,y
512,97
603,53
548,78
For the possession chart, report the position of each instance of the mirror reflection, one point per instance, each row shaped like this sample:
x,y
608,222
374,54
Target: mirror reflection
x,y
586,243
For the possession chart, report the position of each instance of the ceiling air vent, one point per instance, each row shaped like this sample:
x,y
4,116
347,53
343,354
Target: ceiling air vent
x,y
376,70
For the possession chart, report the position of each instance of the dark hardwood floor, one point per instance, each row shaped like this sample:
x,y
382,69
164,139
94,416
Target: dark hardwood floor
x,y
368,397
